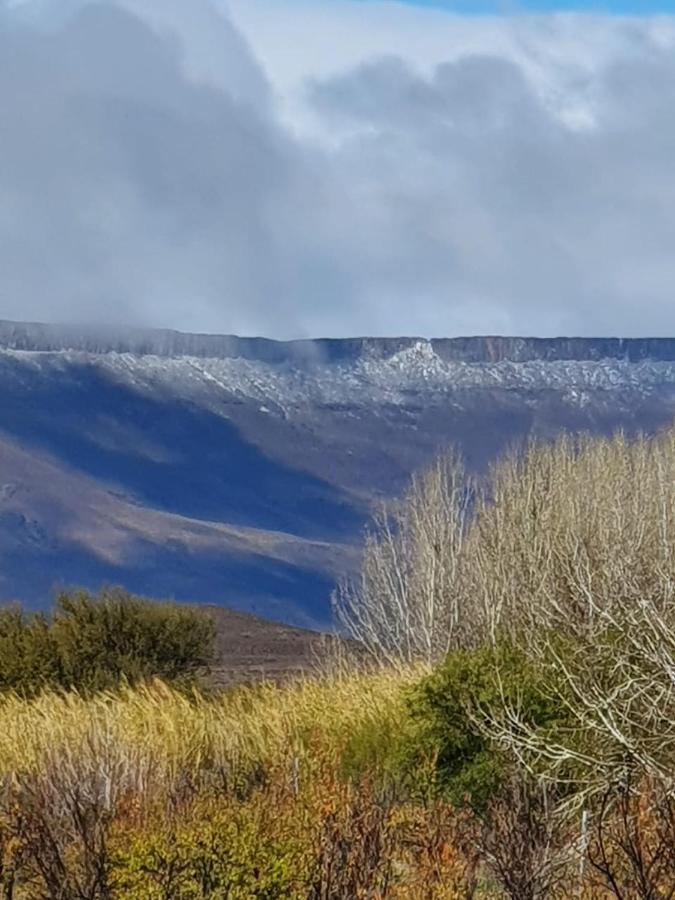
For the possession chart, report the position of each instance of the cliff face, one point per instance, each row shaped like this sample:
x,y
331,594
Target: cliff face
x,y
498,349
242,470
171,344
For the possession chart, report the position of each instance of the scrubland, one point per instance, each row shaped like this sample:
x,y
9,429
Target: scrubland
x,y
506,730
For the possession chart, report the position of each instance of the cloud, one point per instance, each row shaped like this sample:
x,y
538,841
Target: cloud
x,y
151,172
500,212
129,190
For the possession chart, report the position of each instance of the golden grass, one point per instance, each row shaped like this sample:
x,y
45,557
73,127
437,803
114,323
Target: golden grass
x,y
153,735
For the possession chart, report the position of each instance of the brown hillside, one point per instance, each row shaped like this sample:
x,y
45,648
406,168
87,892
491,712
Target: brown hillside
x,y
249,648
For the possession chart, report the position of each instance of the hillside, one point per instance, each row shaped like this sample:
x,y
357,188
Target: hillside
x,y
249,648
240,472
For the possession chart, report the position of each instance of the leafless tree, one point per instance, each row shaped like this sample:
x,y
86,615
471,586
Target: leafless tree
x,y
566,532
571,553
633,844
567,549
407,603
523,841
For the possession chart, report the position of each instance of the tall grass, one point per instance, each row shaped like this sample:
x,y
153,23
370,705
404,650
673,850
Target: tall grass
x,y
158,735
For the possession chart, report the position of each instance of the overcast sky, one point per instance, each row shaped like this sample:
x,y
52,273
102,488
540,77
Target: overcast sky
x,y
339,167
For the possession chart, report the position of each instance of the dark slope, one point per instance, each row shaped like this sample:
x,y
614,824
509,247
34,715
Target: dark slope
x,y
164,452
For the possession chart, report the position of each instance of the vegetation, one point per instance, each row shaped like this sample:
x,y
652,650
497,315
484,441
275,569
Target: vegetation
x,y
93,643
407,603
259,792
449,707
511,735
554,708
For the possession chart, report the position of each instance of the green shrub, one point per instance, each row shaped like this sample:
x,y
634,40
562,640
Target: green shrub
x,y
29,658
448,706
96,642
116,636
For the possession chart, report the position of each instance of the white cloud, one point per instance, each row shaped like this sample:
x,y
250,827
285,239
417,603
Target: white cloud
x,y
300,39
323,170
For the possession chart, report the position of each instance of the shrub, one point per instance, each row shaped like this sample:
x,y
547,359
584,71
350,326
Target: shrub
x,y
526,842
116,636
243,853
96,642
151,793
451,706
29,657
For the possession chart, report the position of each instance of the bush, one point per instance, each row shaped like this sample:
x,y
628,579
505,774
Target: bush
x,y
29,657
96,642
450,707
212,853
115,637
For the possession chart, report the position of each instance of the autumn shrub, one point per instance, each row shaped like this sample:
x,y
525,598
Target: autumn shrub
x,y
216,849
56,826
631,841
441,854
330,840
525,840
267,791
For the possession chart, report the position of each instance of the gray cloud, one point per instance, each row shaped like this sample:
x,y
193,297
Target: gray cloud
x,y
551,228
144,181
127,190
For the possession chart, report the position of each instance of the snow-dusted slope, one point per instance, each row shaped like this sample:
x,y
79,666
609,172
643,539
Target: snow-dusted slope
x,y
250,464
362,380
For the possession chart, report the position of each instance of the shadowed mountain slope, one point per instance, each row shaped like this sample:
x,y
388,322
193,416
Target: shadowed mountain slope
x,y
241,471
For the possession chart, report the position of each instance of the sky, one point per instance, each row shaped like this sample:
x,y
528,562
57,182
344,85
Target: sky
x,y
481,7
299,168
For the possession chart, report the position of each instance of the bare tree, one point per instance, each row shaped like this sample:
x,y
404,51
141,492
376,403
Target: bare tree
x,y
633,844
568,550
565,534
523,841
407,603
572,554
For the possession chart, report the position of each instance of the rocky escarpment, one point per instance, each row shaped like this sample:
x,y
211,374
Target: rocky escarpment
x,y
482,349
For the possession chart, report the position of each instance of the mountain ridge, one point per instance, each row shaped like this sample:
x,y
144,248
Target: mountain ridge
x,y
44,337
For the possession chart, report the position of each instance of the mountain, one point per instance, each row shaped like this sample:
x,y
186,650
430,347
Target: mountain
x,y
241,471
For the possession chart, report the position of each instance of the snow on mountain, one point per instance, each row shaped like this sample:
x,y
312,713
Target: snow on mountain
x,y
364,380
